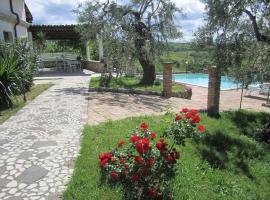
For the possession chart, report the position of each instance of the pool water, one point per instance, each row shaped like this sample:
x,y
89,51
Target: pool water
x,y
202,80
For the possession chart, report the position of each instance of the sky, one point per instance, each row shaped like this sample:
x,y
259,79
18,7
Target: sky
x,y
61,12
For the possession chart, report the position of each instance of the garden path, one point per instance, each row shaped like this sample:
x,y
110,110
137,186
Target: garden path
x,y
38,145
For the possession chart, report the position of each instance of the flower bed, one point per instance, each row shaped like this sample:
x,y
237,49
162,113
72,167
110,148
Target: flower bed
x,y
228,163
144,166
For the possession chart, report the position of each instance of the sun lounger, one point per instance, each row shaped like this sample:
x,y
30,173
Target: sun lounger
x,y
262,89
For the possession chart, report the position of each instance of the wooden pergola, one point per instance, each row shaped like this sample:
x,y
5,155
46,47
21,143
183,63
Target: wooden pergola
x,y
62,32
56,32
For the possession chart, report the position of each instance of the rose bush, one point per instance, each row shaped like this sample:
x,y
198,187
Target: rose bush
x,y
185,126
145,164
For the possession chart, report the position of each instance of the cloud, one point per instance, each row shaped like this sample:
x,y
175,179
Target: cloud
x,y
61,12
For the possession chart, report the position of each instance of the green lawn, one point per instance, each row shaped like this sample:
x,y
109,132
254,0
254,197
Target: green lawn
x,y
133,83
19,103
228,164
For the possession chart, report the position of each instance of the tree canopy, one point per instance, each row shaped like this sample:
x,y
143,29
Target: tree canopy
x,y
237,35
142,27
241,28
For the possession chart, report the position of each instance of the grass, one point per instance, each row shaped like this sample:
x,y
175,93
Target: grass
x,y
228,164
133,83
19,103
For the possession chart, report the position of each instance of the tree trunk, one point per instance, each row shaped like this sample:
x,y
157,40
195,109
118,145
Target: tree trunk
x,y
144,34
242,92
149,74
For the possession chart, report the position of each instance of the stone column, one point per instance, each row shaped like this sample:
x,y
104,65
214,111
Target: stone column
x,y
87,51
213,92
167,79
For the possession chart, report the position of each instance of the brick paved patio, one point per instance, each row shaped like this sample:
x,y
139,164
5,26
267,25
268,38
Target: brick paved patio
x,y
112,106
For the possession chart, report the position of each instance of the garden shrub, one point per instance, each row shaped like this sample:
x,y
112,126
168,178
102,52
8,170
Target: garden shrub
x,y
145,165
263,134
105,80
157,83
17,67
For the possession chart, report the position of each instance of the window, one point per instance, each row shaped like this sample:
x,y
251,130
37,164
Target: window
x,y
8,37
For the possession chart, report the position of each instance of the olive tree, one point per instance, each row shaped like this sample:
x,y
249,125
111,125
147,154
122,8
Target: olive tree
x,y
239,31
144,25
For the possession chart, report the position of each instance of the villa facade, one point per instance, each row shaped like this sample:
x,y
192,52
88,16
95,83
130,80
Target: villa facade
x,y
15,19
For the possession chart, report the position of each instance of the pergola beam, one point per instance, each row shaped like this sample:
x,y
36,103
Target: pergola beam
x,y
56,32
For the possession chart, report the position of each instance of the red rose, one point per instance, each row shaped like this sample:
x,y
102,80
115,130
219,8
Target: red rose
x,y
107,155
123,172
178,118
150,162
120,143
195,119
135,177
194,111
144,171
153,135
103,163
184,110
138,159
113,175
126,166
144,125
161,145
134,138
189,115
152,192
143,145
122,160
169,158
201,128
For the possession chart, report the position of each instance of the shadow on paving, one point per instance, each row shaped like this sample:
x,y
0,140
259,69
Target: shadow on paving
x,y
125,100
256,97
74,91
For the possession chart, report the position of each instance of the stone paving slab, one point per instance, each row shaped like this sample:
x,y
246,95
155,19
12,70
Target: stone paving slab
x,y
42,139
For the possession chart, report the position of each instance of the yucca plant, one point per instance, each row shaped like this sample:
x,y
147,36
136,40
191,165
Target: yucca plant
x,y
17,66
8,79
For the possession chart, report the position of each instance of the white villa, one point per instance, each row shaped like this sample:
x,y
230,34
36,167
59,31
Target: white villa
x,y
15,19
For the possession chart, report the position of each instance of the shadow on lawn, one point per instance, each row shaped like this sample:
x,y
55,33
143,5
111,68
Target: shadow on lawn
x,y
131,84
249,122
225,152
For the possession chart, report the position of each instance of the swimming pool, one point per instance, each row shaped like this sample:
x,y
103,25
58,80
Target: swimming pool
x,y
202,80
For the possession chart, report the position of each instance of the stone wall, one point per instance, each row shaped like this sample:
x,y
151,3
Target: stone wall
x,y
183,94
95,66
